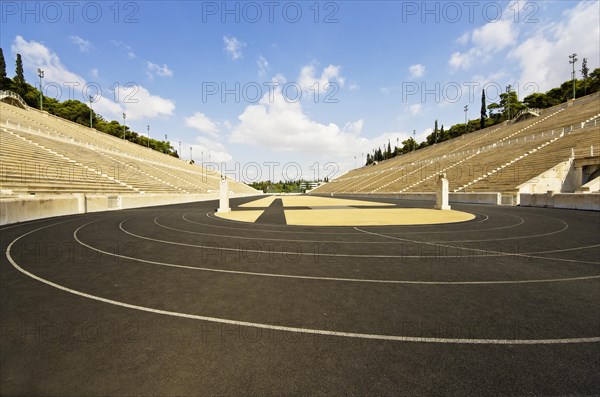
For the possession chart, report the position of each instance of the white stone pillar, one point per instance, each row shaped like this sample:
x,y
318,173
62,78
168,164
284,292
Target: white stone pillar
x,y
81,203
441,202
224,196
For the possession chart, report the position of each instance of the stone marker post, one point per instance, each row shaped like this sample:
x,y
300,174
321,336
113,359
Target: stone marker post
x,y
224,195
441,202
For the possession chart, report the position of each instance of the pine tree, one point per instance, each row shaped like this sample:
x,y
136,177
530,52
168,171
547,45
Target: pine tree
x,y
20,77
389,150
483,111
509,103
2,71
442,137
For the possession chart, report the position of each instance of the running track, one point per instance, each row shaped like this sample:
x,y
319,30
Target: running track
x,y
173,301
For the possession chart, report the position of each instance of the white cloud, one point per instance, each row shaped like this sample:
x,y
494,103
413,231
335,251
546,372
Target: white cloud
x,y
282,126
136,101
387,90
139,104
217,151
124,46
543,56
284,131
36,55
461,60
203,150
353,86
94,73
263,65
84,45
464,39
234,47
417,70
202,123
494,83
308,80
415,109
158,70
487,40
495,36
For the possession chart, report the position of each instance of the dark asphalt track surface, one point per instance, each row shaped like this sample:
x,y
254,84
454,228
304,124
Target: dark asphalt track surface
x,y
173,301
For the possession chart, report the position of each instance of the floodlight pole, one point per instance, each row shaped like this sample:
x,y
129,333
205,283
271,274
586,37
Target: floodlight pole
x,y
414,140
466,110
148,136
180,154
41,76
91,111
572,60
508,87
124,118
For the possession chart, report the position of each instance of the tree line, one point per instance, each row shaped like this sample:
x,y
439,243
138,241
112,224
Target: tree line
x,y
73,110
496,113
298,186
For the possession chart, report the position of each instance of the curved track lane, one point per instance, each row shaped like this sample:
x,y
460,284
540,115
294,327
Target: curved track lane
x,y
514,278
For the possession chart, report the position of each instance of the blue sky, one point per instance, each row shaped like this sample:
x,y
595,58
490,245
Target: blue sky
x,y
307,82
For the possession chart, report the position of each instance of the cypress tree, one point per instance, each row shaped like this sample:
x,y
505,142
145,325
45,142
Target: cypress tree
x,y
483,111
585,74
2,71
20,77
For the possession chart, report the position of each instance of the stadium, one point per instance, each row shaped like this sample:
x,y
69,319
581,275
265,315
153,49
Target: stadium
x,y
468,266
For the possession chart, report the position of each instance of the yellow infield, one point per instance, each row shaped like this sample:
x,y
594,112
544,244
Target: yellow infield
x,y
327,211
309,201
374,217
241,216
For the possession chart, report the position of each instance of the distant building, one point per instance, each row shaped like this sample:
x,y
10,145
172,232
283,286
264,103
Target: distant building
x,y
304,186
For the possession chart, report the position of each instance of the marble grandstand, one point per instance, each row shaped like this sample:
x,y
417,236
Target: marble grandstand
x,y
49,158
512,158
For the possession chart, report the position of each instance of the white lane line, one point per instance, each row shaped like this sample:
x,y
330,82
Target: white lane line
x,y
338,279
498,253
493,253
342,242
293,229
289,228
521,221
313,331
269,239
209,215
566,226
